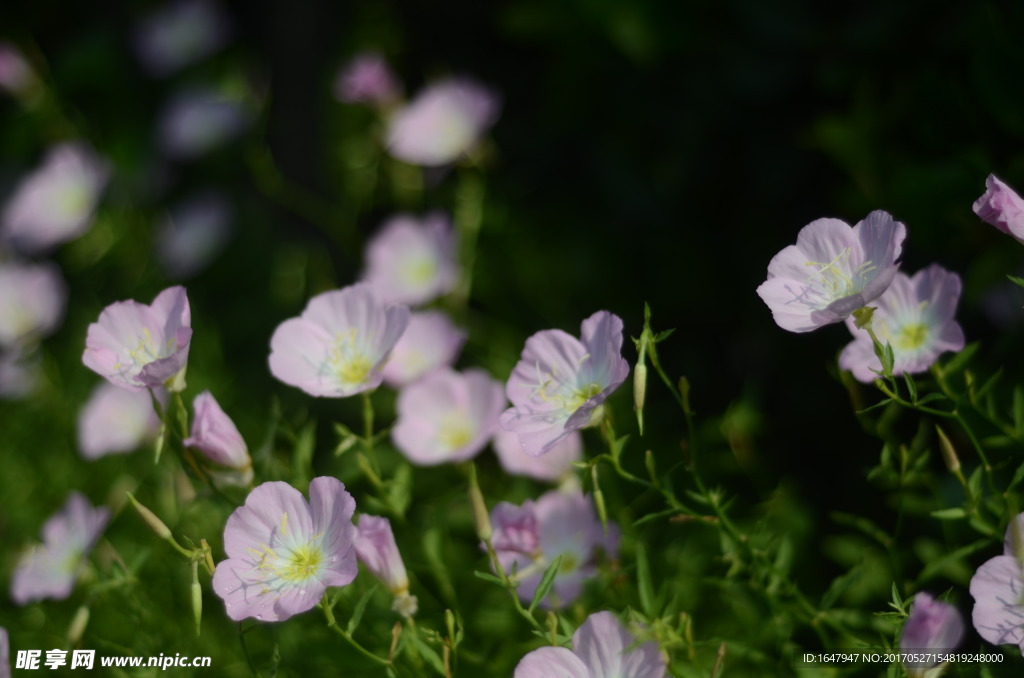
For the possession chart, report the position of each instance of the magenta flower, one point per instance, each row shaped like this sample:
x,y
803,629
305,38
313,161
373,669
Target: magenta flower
x,y
602,648
339,345
447,416
411,261
50,570
180,33
442,123
832,271
138,346
55,203
32,298
561,383
198,120
915,315
998,591
553,466
376,549
1001,207
283,553
528,538
116,420
430,341
933,626
367,80
217,438
193,234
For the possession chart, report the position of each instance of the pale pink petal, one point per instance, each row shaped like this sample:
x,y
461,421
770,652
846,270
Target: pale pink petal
x,y
551,662
604,646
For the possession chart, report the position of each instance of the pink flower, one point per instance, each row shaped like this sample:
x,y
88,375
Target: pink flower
x,y
367,80
602,648
1001,207
339,345
430,341
138,346
933,626
376,549
832,271
443,122
55,203
283,553
193,234
554,465
16,76
32,298
116,420
50,570
528,538
998,591
561,383
915,315
216,436
447,416
180,33
198,120
411,261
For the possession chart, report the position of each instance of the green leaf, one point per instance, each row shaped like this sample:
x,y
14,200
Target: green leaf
x,y
428,653
302,461
960,360
1015,280
357,611
487,576
880,403
663,335
949,514
1017,477
1018,409
931,397
643,582
911,386
839,586
546,582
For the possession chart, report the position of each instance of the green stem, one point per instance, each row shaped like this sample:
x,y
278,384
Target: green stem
x,y
333,624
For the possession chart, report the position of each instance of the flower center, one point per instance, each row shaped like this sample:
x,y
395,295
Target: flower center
x,y
835,279
582,395
568,564
72,202
454,432
301,564
347,362
911,336
419,272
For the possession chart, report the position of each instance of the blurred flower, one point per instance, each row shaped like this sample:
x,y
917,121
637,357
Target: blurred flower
x,y
431,340
915,315
443,122
411,261
376,549
367,80
1001,207
339,345
998,590
560,382
115,420
180,33
5,654
32,298
19,373
197,120
193,234
50,569
55,203
447,416
552,466
832,271
933,626
602,648
16,76
138,346
528,538
283,553
216,436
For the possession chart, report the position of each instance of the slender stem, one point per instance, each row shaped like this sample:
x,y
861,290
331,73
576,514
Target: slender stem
x,y
333,624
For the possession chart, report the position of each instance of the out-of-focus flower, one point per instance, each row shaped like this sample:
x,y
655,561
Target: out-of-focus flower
x,y
138,346
5,654
180,33
602,648
339,345
32,298
197,120
528,538
367,80
217,438
193,234
411,261
19,373
832,271
116,420
430,341
560,382
283,553
552,466
447,416
1002,207
998,590
933,626
915,315
55,203
443,122
16,76
376,549
50,569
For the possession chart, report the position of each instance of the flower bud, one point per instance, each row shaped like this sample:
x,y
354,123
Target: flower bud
x,y
933,626
154,523
217,438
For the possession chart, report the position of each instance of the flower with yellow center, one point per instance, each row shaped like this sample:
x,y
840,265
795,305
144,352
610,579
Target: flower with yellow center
x,y
412,261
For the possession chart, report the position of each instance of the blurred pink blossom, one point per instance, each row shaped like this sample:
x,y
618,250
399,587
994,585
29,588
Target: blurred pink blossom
x,y
193,234
431,340
412,261
367,79
376,549
115,420
932,627
552,466
32,299
16,75
180,33
197,120
1001,207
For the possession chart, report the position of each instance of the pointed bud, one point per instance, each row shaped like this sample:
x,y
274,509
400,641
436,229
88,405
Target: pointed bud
x,y
197,597
78,625
150,518
481,517
639,393
949,455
